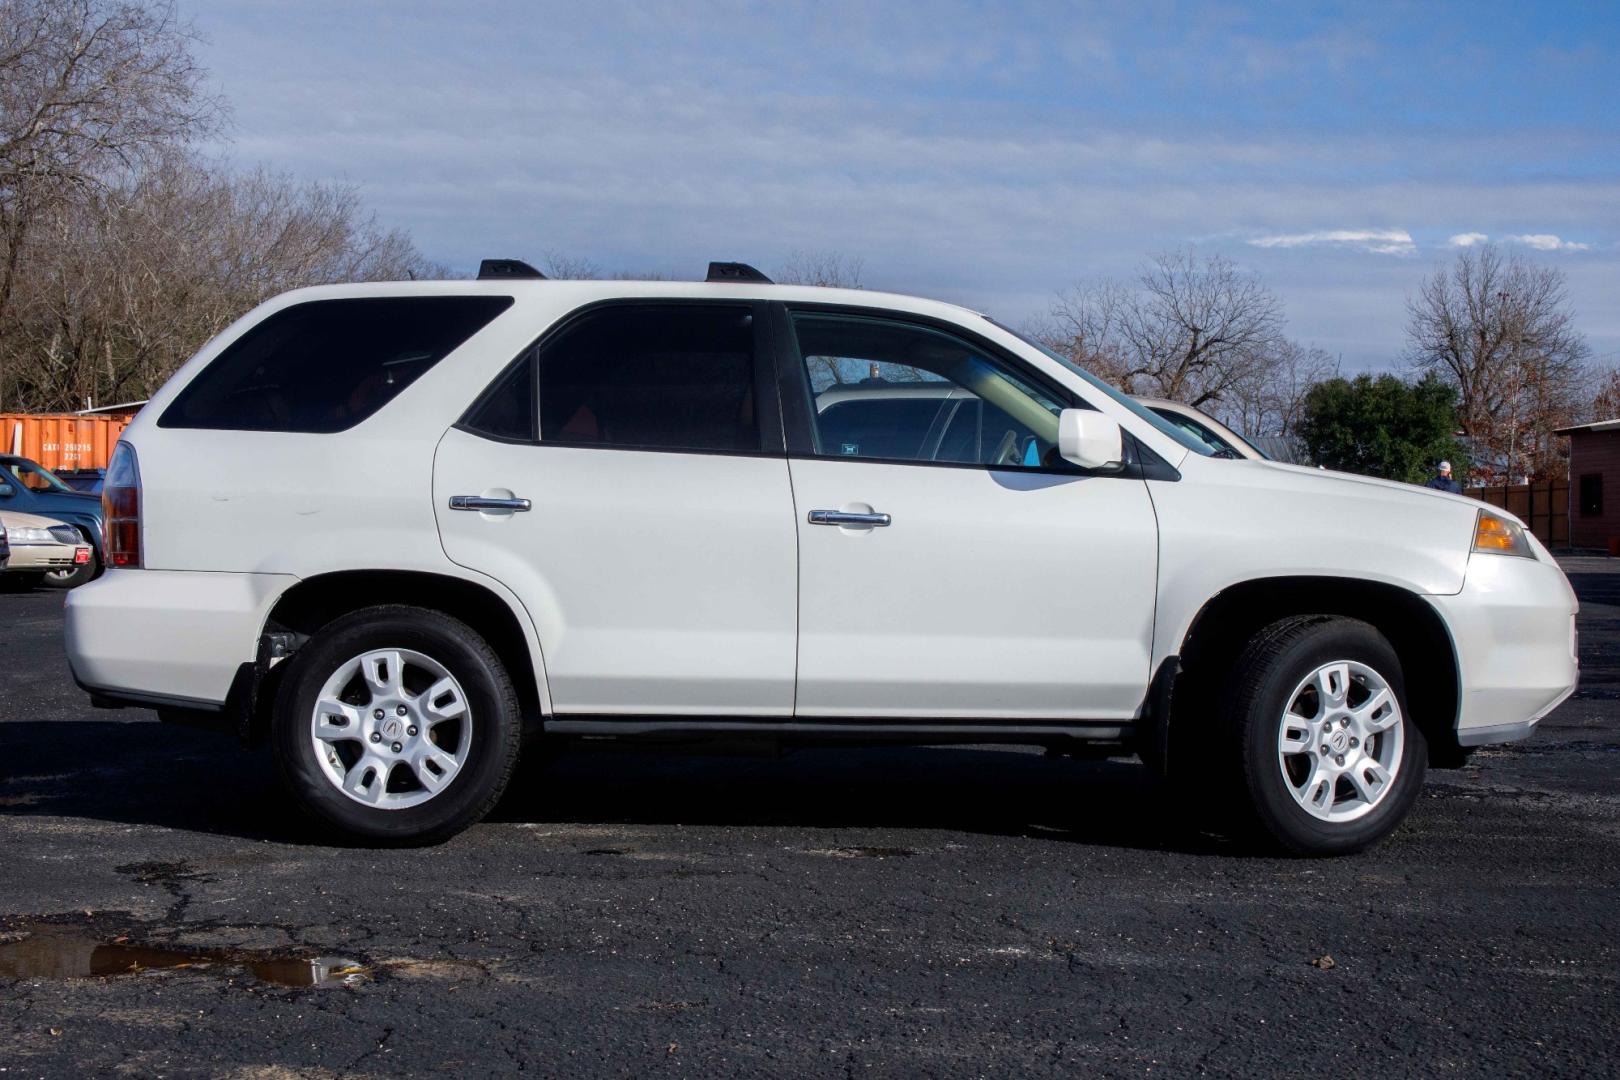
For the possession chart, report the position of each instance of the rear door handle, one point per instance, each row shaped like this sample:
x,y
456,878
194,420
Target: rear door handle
x,y
479,502
844,517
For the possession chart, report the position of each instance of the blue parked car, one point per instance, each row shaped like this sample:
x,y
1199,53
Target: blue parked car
x,y
30,488
88,481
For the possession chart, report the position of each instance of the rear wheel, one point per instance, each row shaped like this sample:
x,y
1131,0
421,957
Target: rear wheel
x,y
397,725
1331,761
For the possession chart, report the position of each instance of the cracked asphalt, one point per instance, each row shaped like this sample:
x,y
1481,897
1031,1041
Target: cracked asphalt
x,y
894,912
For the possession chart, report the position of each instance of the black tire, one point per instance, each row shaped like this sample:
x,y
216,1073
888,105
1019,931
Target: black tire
x,y
1264,677
21,580
76,577
496,725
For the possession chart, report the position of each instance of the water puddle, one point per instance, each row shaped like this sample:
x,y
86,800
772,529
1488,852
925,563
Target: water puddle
x,y
49,951
862,852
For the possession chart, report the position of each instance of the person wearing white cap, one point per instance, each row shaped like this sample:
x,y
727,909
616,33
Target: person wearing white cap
x,y
1442,480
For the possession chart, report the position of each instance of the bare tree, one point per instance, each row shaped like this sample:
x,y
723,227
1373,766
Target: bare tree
x,y
1605,395
1085,326
828,269
565,267
1271,399
1188,328
123,285
88,88
89,85
1501,330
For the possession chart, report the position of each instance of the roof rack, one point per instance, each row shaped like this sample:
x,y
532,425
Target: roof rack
x,y
735,271
507,268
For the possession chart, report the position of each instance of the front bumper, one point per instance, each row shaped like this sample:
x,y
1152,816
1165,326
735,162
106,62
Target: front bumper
x,y
1513,626
168,636
32,557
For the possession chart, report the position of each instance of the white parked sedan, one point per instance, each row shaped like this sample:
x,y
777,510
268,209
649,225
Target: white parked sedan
x,y
40,546
392,527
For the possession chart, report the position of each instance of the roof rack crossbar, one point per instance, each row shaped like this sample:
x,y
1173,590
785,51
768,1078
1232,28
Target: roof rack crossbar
x,y
507,268
736,271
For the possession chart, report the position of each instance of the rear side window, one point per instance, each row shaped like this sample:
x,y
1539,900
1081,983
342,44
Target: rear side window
x,y
664,377
327,365
506,411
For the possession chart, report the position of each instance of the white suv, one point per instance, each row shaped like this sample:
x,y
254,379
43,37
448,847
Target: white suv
x,y
396,527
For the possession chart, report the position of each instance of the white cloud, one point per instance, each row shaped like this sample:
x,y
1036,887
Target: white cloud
x,y
1548,242
1468,239
1377,241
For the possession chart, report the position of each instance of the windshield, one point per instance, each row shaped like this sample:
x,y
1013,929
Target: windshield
x,y
1141,412
1219,446
35,477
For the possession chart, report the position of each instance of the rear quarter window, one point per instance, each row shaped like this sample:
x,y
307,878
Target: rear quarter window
x,y
326,365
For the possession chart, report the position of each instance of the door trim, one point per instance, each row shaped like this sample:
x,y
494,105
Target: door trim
x,y
920,730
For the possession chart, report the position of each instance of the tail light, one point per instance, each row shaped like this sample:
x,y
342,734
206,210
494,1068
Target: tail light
x,y
121,508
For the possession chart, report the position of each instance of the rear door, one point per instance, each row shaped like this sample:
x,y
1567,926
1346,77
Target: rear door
x,y
951,564
626,478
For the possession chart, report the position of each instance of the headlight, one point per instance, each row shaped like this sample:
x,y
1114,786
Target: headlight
x,y
31,536
1500,536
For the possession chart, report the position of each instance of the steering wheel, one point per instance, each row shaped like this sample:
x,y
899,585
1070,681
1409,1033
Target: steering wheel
x,y
1007,450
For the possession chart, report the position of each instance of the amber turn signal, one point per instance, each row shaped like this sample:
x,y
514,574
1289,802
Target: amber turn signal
x,y
1501,536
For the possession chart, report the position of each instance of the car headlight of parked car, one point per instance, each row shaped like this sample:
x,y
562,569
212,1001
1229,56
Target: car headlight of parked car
x,y
32,536
1500,536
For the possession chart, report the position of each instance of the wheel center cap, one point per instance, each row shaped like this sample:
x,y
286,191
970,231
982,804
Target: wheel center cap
x,y
392,728
1340,740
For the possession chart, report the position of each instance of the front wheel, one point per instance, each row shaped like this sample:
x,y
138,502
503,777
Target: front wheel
x,y
1331,758
73,578
397,725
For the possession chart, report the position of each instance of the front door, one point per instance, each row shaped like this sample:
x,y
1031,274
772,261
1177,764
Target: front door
x,y
950,564
626,479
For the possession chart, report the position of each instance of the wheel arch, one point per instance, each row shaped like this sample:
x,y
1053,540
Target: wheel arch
x,y
313,602
1227,620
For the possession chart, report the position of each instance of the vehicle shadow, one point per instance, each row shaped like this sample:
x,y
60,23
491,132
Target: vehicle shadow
x,y
144,773
986,790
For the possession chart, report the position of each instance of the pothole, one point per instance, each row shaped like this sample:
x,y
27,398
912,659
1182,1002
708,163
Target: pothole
x,y
56,951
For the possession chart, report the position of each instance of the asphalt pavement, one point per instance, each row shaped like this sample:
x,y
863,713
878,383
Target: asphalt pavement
x,y
893,912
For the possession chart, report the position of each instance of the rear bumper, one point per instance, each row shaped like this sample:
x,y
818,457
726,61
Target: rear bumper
x,y
1513,625
167,636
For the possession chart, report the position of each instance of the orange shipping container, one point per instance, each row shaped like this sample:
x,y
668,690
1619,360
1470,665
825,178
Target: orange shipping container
x,y
62,440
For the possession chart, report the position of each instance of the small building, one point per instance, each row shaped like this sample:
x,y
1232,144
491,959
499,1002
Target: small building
x,y
1594,483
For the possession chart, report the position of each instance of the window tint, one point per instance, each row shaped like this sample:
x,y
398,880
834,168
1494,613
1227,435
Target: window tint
x,y
507,411
869,426
658,377
327,365
35,477
885,389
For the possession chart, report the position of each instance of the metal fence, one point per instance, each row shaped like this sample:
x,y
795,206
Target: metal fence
x,y
1543,505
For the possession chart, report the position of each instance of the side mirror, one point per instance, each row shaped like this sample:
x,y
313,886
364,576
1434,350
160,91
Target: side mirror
x,y
6,491
1090,439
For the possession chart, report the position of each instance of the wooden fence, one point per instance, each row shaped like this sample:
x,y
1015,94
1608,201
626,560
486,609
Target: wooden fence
x,y
1543,505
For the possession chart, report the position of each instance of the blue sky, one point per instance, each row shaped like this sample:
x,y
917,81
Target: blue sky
x,y
988,154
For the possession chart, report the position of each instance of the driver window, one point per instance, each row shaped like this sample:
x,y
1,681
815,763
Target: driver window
x,y
28,478
899,392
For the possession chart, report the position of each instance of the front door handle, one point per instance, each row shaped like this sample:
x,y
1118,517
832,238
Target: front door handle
x,y
480,502
844,517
